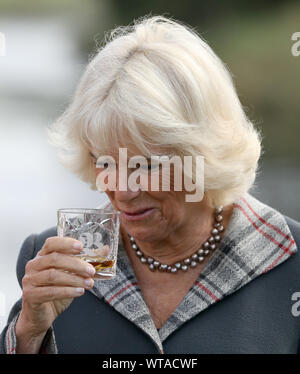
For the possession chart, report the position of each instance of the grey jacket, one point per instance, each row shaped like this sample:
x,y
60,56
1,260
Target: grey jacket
x,y
244,300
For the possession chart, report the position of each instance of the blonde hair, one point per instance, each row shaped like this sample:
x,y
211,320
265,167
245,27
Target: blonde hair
x,y
158,85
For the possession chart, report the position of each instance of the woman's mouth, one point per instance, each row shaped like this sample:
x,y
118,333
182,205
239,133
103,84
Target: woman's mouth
x,y
141,214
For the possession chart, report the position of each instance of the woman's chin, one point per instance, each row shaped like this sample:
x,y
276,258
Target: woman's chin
x,y
141,233
147,229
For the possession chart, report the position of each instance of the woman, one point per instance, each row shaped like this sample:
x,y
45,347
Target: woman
x,y
215,275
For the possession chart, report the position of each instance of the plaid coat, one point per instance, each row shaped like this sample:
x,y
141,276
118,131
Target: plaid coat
x,y
244,300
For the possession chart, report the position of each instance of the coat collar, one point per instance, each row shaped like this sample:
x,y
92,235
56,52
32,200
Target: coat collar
x,y
256,240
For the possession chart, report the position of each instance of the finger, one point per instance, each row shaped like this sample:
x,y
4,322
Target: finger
x,y
39,295
105,250
60,261
61,244
54,277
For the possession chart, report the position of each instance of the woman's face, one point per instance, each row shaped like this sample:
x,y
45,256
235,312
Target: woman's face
x,y
152,215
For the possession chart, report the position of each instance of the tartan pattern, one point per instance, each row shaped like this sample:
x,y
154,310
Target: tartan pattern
x,y
256,240
48,345
123,293
11,339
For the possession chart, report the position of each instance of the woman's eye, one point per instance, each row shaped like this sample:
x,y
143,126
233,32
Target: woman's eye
x,y
103,165
150,167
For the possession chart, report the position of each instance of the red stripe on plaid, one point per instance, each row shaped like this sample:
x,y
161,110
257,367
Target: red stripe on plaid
x,y
121,291
267,223
276,260
214,297
11,351
285,249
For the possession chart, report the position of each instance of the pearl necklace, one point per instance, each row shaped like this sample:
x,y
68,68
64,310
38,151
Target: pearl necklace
x,y
189,262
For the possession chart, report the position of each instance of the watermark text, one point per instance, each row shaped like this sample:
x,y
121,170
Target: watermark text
x,y
296,306
159,170
296,46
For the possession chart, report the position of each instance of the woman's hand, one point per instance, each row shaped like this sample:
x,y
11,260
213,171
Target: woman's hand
x,y
52,279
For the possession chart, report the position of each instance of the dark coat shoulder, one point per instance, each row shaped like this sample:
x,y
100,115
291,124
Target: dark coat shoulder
x,y
30,247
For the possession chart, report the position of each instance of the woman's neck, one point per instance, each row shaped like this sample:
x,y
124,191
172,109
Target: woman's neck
x,y
183,242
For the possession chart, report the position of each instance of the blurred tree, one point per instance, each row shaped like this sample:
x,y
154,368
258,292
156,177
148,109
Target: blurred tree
x,y
253,38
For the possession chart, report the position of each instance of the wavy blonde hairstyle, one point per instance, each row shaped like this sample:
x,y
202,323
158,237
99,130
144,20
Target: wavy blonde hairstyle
x,y
157,85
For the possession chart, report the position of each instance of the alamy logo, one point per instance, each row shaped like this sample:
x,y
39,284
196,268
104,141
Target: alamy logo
x,y
296,46
159,168
2,304
2,45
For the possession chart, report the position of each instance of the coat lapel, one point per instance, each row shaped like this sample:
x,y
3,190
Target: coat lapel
x,y
256,240
124,295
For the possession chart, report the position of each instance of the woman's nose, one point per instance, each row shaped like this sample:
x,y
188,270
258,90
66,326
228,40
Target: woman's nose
x,y
125,196
124,192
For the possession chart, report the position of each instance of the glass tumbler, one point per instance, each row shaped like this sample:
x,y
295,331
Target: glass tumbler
x,y
98,231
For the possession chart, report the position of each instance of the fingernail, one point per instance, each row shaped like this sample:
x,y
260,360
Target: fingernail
x,y
88,282
77,245
90,270
80,290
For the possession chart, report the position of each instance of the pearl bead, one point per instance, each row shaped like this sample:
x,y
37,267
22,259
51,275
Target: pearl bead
x,y
151,267
219,209
211,239
192,262
163,267
215,232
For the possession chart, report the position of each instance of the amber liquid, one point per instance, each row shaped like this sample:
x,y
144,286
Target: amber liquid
x,y
99,263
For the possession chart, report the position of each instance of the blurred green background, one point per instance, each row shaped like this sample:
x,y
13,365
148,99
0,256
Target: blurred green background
x,y
49,43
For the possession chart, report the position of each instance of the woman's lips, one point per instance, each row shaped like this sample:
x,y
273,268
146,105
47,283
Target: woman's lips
x,y
137,216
